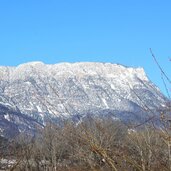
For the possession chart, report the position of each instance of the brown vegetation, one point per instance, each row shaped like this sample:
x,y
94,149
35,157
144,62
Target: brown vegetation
x,y
94,145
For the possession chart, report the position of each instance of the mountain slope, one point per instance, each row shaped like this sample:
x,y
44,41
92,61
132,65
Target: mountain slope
x,y
66,90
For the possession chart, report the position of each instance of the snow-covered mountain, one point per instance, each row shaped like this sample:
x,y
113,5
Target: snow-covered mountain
x,y
33,93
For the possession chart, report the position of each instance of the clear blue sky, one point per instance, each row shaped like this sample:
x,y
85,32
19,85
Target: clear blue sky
x,y
116,31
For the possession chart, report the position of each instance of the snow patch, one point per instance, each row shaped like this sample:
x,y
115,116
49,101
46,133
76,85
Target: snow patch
x,y
39,109
7,117
105,103
115,118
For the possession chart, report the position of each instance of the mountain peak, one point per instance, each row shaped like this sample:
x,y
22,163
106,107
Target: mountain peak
x,y
34,63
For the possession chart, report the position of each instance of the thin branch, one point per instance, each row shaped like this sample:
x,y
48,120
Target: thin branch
x,y
167,91
161,70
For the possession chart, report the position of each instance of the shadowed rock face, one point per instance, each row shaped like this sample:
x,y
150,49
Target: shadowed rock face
x,y
74,91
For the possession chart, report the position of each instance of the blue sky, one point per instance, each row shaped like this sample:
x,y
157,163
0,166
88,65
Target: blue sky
x,y
116,31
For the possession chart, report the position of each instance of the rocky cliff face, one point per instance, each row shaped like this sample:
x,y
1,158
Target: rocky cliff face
x,y
39,92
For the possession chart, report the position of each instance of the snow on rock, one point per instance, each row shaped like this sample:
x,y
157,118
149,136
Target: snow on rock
x,y
75,89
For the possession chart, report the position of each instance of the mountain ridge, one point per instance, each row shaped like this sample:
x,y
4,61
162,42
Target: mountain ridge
x,y
82,67
75,90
